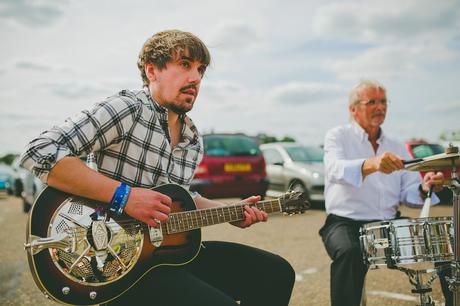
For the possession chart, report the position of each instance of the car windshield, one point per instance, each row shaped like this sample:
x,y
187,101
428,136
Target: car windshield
x,y
424,150
305,154
230,145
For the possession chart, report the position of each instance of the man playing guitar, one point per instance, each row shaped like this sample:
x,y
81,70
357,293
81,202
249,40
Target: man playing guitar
x,y
142,139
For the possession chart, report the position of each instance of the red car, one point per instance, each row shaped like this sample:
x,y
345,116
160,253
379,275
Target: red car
x,y
422,149
232,166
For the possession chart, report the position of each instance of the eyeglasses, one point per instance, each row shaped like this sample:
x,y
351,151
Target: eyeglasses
x,y
373,102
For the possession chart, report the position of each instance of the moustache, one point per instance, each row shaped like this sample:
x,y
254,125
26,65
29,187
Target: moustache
x,y
191,86
379,113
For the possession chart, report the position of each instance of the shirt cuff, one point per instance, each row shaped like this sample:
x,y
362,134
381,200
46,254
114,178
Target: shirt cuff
x,y
352,172
414,196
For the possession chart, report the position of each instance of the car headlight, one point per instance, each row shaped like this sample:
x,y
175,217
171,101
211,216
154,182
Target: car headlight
x,y
315,175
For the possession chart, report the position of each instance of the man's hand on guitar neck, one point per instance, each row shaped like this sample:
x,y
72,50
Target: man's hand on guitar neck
x,y
252,214
148,206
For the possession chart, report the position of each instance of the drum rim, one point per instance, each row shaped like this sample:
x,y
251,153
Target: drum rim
x,y
406,221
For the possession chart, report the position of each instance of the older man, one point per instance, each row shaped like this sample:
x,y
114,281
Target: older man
x,y
364,184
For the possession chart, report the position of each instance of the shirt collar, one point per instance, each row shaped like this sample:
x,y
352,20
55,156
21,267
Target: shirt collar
x,y
189,131
155,104
362,134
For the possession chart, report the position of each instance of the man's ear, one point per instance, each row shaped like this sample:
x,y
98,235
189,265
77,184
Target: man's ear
x,y
150,70
352,110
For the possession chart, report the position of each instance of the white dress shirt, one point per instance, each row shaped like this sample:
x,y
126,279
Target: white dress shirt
x,y
378,195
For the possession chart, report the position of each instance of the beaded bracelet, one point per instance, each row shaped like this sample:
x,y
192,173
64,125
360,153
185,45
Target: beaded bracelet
x,y
120,198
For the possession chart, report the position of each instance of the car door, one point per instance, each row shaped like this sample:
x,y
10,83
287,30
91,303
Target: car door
x,y
275,168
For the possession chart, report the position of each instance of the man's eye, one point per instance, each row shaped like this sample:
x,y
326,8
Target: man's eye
x,y
185,64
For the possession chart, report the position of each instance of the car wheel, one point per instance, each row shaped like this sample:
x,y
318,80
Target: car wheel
x,y
18,188
26,206
297,186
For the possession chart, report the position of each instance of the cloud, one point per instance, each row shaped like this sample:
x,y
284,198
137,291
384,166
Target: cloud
x,y
32,13
306,93
388,21
443,107
231,36
389,61
76,90
29,65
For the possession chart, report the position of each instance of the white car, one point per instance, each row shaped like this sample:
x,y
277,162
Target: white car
x,y
292,166
26,185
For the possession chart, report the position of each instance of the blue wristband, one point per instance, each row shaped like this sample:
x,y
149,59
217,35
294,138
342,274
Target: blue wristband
x,y
120,198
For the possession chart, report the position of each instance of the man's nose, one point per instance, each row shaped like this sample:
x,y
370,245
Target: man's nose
x,y
381,105
194,76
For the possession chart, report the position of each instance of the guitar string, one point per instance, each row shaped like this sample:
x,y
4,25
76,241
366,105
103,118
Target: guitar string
x,y
187,216
188,223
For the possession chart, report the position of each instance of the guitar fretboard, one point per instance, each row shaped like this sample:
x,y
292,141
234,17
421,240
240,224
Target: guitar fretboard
x,y
194,219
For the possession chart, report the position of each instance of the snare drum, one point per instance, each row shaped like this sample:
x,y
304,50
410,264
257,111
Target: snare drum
x,y
407,241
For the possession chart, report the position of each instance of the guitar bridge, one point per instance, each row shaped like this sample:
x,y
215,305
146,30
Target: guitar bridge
x,y
156,236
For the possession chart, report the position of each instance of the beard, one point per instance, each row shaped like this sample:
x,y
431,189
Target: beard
x,y
182,108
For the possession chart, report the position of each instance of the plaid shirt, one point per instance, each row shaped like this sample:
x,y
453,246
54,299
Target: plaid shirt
x,y
129,135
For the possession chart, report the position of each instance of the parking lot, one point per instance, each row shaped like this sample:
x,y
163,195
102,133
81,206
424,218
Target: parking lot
x,y
293,237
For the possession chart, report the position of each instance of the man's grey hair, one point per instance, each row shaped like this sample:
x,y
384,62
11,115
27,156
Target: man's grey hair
x,y
354,94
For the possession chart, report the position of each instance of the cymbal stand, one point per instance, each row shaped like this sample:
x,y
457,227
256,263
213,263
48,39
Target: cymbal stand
x,y
416,280
454,281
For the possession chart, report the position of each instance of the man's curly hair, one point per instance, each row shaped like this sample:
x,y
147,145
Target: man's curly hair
x,y
170,45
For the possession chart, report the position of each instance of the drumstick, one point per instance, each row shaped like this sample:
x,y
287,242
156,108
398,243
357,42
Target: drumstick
x,y
412,161
425,213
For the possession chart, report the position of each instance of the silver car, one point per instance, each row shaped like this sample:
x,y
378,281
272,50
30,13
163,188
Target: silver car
x,y
26,185
292,166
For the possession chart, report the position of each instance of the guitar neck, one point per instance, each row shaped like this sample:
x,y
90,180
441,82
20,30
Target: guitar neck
x,y
194,219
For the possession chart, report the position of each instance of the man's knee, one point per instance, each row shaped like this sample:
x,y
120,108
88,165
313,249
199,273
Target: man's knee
x,y
285,269
349,252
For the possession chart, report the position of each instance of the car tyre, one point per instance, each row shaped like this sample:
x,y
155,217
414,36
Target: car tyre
x,y
297,186
18,188
26,206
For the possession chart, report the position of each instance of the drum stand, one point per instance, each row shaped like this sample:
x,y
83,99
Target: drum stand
x,y
454,281
416,280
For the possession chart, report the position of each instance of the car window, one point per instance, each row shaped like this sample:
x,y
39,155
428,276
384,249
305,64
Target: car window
x,y
424,150
272,156
230,145
305,154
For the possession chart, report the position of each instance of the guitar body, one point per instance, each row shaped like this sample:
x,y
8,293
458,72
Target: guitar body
x,y
71,270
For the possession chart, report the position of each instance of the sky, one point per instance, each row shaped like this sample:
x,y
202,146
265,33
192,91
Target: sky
x,y
284,68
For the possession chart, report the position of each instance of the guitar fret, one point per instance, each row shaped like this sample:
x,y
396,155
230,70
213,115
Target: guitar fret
x,y
220,212
180,219
190,217
226,213
196,219
234,213
199,223
189,220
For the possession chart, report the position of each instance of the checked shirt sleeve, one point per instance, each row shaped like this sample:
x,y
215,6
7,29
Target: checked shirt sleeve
x,y
89,131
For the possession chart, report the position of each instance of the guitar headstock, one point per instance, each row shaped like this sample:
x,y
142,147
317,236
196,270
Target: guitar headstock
x,y
294,202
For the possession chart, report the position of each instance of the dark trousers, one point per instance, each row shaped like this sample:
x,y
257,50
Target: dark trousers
x,y
341,238
222,274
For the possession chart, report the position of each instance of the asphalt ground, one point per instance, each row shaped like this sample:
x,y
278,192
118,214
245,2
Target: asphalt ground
x,y
293,237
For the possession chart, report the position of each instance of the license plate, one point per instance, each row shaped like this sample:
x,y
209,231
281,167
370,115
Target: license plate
x,y
237,167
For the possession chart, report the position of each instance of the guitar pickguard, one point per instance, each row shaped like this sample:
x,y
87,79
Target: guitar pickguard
x,y
103,251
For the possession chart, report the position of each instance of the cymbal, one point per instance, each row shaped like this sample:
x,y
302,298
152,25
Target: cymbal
x,y
435,162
